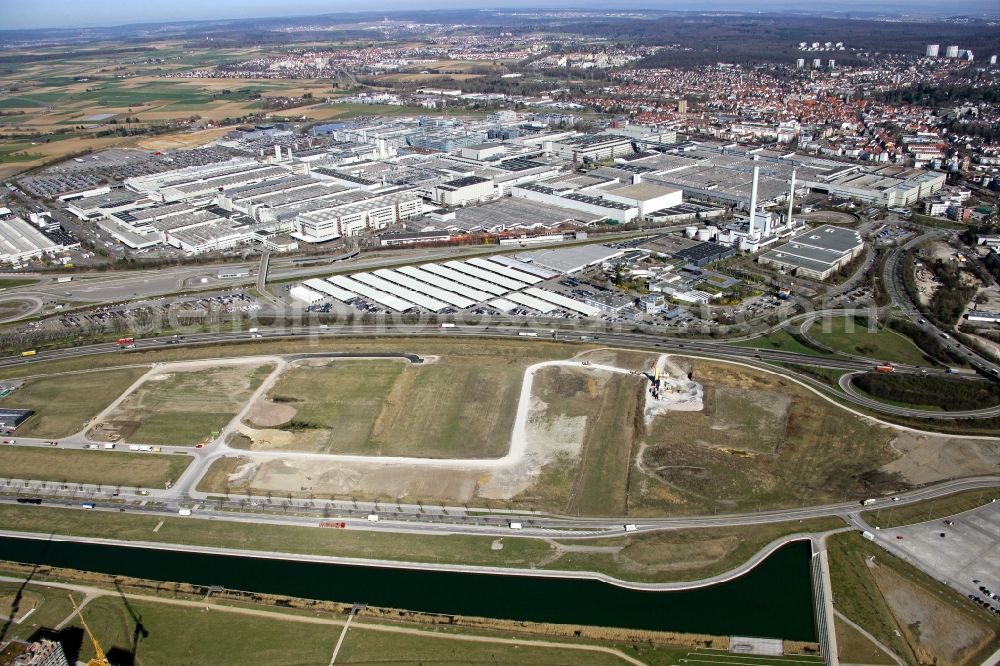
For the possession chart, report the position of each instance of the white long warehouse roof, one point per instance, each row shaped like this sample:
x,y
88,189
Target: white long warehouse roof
x,y
444,283
381,284
329,289
531,302
305,294
467,280
502,304
531,269
416,285
506,271
562,301
388,300
488,276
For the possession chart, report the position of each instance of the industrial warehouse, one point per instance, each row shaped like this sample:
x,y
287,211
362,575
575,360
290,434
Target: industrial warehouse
x,y
504,284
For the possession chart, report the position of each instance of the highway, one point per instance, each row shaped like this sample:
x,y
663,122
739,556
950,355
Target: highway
x,y
720,350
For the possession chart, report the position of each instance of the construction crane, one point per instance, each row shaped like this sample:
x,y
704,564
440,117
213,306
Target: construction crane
x,y
99,658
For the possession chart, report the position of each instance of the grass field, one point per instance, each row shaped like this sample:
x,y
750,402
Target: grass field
x,y
77,466
457,406
346,543
934,509
786,447
681,555
676,555
884,595
51,607
585,431
144,630
882,344
375,647
509,349
780,340
853,647
10,283
65,403
210,636
183,407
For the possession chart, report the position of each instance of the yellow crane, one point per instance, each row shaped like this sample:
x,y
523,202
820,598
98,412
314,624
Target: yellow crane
x,y
99,658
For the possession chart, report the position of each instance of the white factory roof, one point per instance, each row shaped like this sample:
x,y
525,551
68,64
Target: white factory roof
x,y
17,237
416,285
329,289
562,301
531,302
531,269
488,276
444,283
305,294
506,271
410,295
502,304
380,297
571,259
467,280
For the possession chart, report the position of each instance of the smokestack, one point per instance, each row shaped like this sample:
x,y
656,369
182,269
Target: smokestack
x,y
753,199
791,198
277,151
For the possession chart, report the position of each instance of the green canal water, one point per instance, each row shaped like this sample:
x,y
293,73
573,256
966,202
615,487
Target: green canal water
x,y
772,600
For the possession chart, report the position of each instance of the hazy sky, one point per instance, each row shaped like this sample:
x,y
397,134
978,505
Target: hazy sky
x,y
86,13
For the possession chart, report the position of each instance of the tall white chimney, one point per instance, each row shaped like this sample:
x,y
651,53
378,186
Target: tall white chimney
x,y
753,199
791,198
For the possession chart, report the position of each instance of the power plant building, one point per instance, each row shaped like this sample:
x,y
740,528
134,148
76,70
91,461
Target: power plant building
x,y
932,50
951,52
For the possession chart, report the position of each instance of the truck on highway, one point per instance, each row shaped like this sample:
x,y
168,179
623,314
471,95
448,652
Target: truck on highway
x,y
446,326
528,334
253,330
31,352
109,445
184,512
515,525
65,278
125,343
372,517
88,505
868,535
630,527
885,367
952,371
867,502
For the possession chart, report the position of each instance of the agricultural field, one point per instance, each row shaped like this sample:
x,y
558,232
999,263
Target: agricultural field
x,y
144,470
761,442
451,407
844,335
65,403
182,405
57,107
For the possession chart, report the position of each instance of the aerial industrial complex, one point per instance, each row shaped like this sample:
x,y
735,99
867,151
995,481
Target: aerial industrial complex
x,y
501,336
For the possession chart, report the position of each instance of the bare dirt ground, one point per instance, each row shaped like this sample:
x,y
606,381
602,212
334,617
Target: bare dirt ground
x,y
264,413
930,458
938,634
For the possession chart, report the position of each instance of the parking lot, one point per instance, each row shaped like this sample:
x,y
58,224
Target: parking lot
x,y
962,550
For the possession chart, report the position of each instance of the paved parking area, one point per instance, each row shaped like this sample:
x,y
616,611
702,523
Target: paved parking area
x,y
969,549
